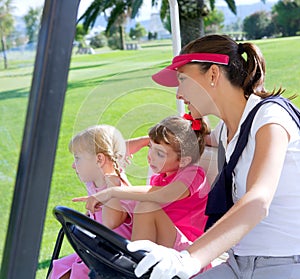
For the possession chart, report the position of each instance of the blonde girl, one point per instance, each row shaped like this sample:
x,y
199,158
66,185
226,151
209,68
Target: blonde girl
x,y
99,153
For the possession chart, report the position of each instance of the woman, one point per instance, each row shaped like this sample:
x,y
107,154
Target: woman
x,y
261,231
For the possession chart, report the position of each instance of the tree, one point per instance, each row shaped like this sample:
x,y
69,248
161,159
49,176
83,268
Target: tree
x,y
213,21
32,21
236,26
137,32
286,15
6,25
256,26
98,41
80,35
119,11
191,15
114,41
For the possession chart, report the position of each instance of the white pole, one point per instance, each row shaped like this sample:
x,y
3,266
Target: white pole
x,y
209,158
174,12
176,40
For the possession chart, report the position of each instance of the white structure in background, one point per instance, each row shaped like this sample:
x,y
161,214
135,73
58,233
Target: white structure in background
x,y
156,26
96,30
93,32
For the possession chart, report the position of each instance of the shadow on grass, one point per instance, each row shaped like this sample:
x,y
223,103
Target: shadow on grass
x,y
89,82
88,67
158,45
12,94
113,78
29,74
24,93
44,264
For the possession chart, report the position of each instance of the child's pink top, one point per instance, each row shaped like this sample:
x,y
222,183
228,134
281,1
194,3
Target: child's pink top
x,y
72,262
187,214
126,228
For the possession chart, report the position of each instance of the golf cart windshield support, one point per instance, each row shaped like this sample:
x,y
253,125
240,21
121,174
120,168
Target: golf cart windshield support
x,y
40,135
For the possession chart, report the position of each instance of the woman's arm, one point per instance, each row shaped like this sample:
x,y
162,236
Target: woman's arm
x,y
271,145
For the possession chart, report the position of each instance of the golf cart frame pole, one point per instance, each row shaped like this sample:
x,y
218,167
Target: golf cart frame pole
x,y
175,27
46,99
176,41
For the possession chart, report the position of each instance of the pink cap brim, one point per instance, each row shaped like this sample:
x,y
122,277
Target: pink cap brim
x,y
168,76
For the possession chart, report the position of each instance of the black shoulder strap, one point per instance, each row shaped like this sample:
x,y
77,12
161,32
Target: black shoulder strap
x,y
221,150
220,197
246,126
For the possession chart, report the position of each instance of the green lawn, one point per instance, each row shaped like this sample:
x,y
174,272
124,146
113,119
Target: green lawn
x,y
113,88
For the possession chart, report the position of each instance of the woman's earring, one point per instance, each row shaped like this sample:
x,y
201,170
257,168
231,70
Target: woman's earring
x,y
212,84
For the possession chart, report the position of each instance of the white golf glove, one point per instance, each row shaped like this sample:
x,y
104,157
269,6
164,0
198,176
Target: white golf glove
x,y
168,262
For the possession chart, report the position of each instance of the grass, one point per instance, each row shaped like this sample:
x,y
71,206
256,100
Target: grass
x,y
113,88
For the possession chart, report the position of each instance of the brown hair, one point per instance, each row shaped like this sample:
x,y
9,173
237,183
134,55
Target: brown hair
x,y
178,133
101,139
246,68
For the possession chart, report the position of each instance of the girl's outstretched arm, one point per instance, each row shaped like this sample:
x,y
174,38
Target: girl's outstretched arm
x,y
113,215
135,144
162,195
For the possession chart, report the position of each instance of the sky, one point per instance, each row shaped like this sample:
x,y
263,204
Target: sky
x,y
22,6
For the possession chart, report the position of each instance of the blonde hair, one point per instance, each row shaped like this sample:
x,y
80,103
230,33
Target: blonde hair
x,y
104,139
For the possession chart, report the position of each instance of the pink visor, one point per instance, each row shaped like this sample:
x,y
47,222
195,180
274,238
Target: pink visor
x,y
168,76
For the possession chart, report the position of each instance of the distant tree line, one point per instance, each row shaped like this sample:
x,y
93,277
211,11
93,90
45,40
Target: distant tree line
x,y
12,38
282,21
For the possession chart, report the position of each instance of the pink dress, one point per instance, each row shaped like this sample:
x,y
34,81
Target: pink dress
x,y
72,262
187,214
